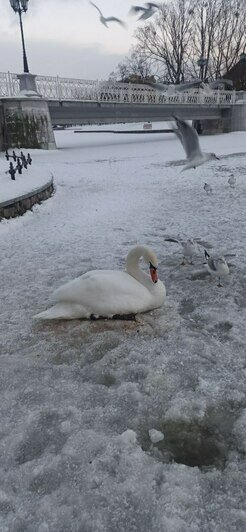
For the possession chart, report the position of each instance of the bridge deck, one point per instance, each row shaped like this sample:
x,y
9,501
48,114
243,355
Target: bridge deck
x,y
105,112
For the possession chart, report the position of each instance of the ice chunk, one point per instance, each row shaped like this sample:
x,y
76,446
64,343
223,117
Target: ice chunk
x,y
156,435
128,437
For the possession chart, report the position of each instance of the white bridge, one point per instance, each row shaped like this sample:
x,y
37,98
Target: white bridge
x,y
81,101
75,90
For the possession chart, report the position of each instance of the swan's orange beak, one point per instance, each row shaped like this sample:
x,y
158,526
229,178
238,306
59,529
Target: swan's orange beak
x,y
153,273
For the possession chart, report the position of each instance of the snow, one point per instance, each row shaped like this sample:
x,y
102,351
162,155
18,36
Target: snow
x,y
79,398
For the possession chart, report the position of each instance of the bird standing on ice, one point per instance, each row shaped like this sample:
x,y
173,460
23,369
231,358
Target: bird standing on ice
x,y
208,189
189,249
217,267
232,181
109,293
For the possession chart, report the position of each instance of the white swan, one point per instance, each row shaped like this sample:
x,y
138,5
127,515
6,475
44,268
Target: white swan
x,y
106,293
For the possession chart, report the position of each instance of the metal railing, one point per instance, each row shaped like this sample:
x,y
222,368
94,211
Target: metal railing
x,y
57,88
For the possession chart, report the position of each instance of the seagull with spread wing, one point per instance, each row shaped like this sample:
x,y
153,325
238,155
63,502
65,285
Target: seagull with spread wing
x,y
189,139
170,88
105,20
147,11
189,247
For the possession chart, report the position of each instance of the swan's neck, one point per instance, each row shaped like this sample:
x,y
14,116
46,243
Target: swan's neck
x,y
132,264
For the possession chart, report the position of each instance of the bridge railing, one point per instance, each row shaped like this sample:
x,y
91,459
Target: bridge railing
x,y
57,88
9,84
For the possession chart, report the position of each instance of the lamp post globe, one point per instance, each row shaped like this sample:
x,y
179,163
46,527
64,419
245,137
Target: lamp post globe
x,y
21,6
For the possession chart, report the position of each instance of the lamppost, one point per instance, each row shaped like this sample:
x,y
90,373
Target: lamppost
x,y
202,63
21,6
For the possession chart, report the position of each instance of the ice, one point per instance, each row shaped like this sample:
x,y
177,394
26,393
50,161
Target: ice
x,y
79,398
240,431
156,435
128,437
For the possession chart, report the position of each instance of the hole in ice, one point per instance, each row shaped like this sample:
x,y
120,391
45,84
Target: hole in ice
x,y
196,443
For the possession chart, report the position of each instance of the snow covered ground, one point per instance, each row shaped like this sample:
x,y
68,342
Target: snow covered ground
x,y
79,398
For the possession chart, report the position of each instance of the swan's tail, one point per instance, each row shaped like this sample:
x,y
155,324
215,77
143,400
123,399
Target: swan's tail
x,y
62,311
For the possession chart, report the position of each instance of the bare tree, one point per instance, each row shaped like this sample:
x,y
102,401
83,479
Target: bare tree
x,y
230,36
190,38
167,40
137,65
218,36
206,17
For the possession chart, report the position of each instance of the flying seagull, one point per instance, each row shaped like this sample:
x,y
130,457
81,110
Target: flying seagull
x,y
189,139
163,87
105,20
208,86
217,267
147,12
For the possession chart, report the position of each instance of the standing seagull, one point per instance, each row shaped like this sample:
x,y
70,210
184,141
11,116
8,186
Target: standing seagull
x,y
207,187
232,181
189,247
104,20
189,139
147,12
216,266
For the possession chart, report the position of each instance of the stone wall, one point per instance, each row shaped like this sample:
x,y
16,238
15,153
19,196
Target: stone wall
x,y
238,118
209,127
232,119
18,206
26,123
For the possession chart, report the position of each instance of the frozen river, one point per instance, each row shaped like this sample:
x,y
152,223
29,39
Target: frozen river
x,y
78,398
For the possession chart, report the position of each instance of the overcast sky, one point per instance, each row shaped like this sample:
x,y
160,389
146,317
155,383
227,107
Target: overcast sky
x,y
66,38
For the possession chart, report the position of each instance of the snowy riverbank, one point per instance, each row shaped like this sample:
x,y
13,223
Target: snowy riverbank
x,y
79,398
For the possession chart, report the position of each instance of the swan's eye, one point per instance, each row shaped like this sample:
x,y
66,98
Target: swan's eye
x,y
152,267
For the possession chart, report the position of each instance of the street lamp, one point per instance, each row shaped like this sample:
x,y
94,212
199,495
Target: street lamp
x,y
202,63
21,6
